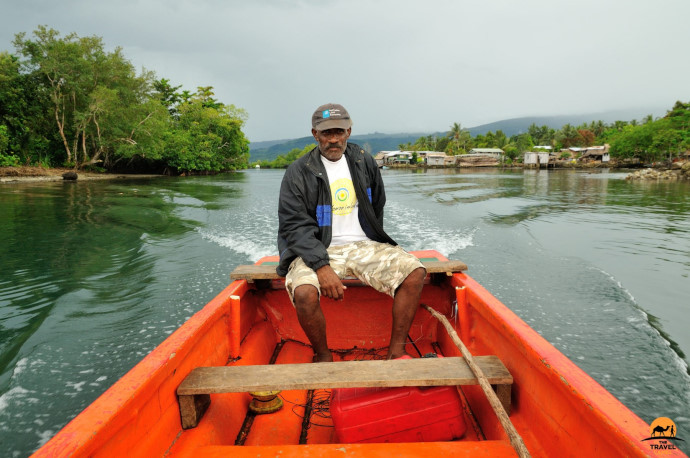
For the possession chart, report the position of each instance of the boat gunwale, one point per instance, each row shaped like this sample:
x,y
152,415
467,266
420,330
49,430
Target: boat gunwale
x,y
80,433
570,378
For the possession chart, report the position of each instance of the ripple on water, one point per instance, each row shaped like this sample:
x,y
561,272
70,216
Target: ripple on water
x,y
415,229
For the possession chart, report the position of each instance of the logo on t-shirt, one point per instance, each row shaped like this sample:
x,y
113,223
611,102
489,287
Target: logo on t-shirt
x,y
344,198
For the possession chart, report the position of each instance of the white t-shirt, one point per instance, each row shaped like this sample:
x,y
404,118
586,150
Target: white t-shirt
x,y
345,208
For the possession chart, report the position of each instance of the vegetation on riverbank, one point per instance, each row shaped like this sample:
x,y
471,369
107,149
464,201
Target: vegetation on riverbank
x,y
282,161
648,140
631,142
68,102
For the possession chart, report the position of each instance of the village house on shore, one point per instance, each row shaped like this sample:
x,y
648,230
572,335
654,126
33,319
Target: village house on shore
x,y
544,156
540,156
478,157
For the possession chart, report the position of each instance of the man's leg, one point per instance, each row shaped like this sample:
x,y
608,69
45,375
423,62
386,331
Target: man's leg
x,y
310,316
405,305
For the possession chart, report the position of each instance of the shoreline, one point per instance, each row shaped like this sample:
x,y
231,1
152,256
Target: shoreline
x,y
35,174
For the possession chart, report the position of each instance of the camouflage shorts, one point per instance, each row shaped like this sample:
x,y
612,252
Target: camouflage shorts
x,y
380,265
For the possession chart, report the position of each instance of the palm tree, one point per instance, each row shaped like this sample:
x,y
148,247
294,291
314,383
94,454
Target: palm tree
x,y
459,137
455,132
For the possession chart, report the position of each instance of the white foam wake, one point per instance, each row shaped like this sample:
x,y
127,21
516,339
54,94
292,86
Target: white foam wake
x,y
252,248
414,230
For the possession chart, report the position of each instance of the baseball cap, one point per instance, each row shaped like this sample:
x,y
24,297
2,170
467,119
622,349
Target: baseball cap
x,y
331,116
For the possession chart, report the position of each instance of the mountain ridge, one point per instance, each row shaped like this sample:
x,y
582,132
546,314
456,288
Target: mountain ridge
x,y
377,141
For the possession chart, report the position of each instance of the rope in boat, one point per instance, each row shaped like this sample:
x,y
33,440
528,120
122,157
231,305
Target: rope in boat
x,y
320,407
515,439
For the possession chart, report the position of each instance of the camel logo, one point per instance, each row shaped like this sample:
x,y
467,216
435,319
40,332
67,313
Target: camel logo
x,y
661,431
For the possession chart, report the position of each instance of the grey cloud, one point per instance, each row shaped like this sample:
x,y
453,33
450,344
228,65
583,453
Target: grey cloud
x,y
396,65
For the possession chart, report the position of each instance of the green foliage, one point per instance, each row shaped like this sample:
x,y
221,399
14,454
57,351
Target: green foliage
x,y
541,135
523,142
71,102
459,140
205,138
168,95
23,109
511,151
649,140
654,140
4,139
6,160
282,162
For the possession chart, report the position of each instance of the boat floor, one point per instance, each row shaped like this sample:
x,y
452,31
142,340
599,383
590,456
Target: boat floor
x,y
287,426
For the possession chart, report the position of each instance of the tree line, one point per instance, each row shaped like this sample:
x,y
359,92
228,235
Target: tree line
x,y
284,160
648,140
65,101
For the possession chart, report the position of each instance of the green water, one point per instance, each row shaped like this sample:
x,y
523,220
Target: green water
x,y
95,274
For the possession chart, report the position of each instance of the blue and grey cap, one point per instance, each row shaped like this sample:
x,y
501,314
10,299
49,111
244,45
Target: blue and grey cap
x,y
331,116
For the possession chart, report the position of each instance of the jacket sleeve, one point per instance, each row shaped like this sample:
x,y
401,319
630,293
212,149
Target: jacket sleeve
x,y
378,193
297,227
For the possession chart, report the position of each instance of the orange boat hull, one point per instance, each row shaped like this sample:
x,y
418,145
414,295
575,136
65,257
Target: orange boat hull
x,y
557,408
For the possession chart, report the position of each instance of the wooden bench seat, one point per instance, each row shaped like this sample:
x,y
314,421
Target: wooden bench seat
x,y
193,393
257,273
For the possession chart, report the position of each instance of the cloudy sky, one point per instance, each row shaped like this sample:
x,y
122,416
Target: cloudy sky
x,y
396,65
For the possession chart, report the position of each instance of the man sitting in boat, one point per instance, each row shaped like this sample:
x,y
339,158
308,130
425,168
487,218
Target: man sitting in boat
x,y
331,226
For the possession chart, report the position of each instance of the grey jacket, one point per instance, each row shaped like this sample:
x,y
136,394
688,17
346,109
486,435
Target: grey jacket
x,y
304,209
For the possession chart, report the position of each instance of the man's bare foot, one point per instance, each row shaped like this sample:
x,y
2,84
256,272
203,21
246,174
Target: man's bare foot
x,y
323,358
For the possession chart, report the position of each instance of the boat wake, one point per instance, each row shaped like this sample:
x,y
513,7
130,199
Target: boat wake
x,y
414,230
653,322
245,245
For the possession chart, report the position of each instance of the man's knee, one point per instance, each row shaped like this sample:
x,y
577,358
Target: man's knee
x,y
306,298
416,277
414,282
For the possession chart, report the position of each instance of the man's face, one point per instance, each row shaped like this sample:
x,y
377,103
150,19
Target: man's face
x,y
332,142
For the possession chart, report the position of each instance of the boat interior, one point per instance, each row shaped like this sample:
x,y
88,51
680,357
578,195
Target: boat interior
x,y
161,407
358,329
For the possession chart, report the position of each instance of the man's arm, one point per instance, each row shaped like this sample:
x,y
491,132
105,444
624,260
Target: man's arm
x,y
297,225
300,230
378,192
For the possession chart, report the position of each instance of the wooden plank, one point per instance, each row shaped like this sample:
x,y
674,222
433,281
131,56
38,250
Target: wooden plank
x,y
192,408
433,267
503,392
254,272
268,272
344,374
193,392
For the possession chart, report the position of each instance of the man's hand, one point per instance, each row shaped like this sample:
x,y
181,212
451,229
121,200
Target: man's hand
x,y
331,286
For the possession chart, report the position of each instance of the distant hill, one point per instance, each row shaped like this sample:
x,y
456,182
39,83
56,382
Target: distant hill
x,y
517,126
373,143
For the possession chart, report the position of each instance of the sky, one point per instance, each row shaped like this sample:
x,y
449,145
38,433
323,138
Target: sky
x,y
396,65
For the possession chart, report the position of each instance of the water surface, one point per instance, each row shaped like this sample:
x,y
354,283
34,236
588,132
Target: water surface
x,y
95,274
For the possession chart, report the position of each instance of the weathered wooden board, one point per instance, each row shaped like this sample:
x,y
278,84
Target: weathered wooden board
x,y
193,392
344,374
268,272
